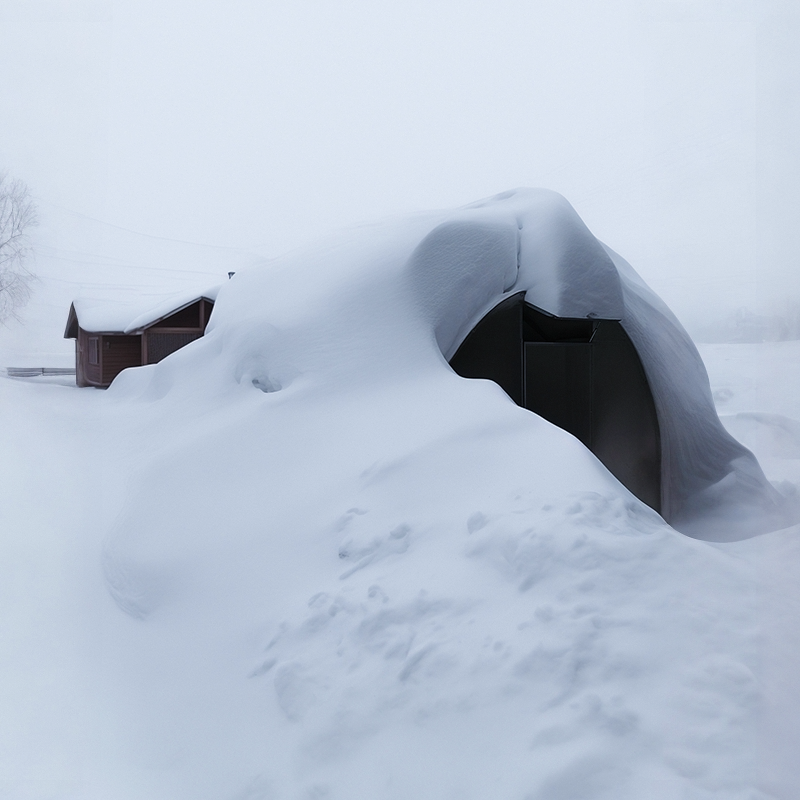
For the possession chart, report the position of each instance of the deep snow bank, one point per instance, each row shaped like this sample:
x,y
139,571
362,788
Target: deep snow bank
x,y
304,559
532,240
357,561
429,280
367,593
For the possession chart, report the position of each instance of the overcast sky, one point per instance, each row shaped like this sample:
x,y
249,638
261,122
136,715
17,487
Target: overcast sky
x,y
671,125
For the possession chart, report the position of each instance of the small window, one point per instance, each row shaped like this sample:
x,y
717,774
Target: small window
x,y
94,350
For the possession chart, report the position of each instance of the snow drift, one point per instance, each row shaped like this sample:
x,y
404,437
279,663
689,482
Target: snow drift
x,y
532,240
302,558
431,279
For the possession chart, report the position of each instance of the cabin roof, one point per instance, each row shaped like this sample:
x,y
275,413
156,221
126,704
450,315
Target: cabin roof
x,y
97,315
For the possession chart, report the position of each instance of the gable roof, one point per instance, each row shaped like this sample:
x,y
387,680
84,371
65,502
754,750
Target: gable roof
x,y
97,315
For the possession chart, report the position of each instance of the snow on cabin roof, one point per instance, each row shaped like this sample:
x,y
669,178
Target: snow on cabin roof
x,y
169,306
104,315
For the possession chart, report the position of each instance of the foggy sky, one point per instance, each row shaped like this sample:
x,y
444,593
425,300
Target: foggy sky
x,y
670,126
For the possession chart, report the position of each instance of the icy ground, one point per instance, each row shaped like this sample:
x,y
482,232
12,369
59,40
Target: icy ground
x,y
307,561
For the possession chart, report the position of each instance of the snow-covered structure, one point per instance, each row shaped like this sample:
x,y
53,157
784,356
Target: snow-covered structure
x,y
583,375
381,307
110,337
532,245
386,580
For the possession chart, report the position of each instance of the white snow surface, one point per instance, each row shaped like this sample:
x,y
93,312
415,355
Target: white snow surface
x,y
105,314
301,558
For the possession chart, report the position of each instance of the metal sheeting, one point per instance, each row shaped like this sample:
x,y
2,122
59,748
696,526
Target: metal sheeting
x,y
160,345
583,375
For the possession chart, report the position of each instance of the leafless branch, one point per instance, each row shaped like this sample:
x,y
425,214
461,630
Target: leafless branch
x,y
17,217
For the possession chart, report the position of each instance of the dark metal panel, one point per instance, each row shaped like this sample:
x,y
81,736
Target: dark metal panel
x,y
583,375
539,326
493,348
187,317
558,385
625,431
160,344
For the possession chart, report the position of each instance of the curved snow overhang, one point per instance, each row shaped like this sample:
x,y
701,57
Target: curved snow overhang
x,y
561,266
529,240
496,301
533,241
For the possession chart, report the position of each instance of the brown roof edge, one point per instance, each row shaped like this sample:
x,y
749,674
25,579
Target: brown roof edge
x,y
169,314
71,331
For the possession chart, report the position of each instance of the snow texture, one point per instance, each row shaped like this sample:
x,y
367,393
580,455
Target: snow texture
x,y
301,558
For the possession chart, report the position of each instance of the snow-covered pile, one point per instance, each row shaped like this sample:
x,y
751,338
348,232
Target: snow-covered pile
x,y
532,240
301,558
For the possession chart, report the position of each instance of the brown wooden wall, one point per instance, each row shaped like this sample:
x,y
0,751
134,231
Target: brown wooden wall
x,y
206,307
176,331
117,353
188,317
193,317
87,374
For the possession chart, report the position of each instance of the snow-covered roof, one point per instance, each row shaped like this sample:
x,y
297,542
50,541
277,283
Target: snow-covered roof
x,y
116,315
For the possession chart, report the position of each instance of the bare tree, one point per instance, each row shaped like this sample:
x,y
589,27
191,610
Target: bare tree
x,y
17,217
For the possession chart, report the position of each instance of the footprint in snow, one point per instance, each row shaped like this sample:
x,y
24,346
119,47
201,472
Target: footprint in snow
x,y
366,541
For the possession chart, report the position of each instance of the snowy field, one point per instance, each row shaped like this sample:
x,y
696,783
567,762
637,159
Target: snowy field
x,y
302,559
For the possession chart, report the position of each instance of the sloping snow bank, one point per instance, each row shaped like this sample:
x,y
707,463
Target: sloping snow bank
x,y
300,558
356,574
713,488
375,594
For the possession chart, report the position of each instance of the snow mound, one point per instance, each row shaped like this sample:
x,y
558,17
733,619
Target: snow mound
x,y
316,563
398,297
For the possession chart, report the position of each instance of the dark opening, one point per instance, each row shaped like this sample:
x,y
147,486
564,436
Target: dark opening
x,y
558,385
188,317
583,375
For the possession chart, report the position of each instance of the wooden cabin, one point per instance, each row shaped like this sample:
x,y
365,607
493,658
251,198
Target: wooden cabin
x,y
102,352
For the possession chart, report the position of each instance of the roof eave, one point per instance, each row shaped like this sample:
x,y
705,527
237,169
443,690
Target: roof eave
x,y
143,328
71,331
